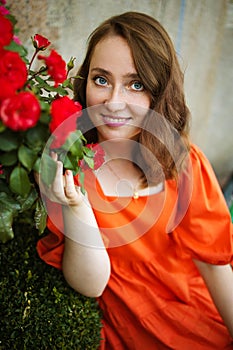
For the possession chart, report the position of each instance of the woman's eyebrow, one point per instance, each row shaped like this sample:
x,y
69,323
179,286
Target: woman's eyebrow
x,y
133,76
106,72
100,71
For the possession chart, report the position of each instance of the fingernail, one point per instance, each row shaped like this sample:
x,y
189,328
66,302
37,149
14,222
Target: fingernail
x,y
68,172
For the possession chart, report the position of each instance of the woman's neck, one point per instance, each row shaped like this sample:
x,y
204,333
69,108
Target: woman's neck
x,y
119,149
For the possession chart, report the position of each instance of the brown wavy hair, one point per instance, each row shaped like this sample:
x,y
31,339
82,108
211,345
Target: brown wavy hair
x,y
158,68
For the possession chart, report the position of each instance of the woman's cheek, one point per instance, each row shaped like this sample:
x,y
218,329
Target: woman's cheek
x,y
93,97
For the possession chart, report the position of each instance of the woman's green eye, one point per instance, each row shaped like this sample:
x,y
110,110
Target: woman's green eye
x,y
137,86
100,81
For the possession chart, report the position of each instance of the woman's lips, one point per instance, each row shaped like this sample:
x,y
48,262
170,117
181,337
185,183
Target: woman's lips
x,y
114,121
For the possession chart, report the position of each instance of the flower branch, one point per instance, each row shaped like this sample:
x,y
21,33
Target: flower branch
x,y
33,104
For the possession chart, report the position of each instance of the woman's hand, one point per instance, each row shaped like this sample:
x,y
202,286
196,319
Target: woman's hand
x,y
63,190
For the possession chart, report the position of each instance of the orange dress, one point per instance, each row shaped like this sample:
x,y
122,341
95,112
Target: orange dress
x,y
156,298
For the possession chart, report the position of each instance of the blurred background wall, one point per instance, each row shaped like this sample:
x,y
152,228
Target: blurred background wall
x,y
202,32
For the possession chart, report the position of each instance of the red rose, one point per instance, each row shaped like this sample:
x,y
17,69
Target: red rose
x,y
6,90
56,66
13,69
40,42
20,112
6,30
61,109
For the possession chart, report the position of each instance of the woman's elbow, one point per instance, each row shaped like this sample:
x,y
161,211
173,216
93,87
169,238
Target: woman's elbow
x,y
93,292
89,285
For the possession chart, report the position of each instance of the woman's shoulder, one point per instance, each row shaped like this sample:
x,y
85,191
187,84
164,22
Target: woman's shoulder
x,y
197,154
201,167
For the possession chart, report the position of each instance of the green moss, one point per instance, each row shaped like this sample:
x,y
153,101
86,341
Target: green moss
x,y
38,309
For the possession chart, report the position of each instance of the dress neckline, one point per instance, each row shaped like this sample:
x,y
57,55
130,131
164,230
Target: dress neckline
x,y
142,193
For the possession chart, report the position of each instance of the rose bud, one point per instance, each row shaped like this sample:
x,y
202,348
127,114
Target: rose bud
x,y
40,42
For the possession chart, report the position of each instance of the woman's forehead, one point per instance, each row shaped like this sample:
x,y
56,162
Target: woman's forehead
x,y
113,53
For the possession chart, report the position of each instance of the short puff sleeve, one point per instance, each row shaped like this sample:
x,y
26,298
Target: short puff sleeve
x,y
205,232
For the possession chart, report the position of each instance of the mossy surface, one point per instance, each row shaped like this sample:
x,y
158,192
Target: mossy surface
x,y
38,309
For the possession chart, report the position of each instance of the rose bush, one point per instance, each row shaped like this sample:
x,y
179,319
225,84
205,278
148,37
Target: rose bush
x,y
33,104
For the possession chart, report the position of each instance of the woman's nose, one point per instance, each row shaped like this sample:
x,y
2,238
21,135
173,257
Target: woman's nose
x,y
116,99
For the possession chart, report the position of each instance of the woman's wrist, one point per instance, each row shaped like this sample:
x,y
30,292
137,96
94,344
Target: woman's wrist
x,y
80,225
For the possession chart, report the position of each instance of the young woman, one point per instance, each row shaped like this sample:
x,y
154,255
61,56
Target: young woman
x,y
153,239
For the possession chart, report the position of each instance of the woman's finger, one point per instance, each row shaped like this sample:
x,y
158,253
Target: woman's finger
x,y
58,183
54,156
72,192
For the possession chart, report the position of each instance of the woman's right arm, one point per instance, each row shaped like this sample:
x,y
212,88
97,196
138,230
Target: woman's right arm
x,y
86,265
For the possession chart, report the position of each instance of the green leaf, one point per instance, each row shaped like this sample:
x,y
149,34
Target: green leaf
x,y
81,181
40,216
13,46
67,84
70,162
61,91
4,187
11,18
6,220
36,166
45,106
36,137
2,126
9,158
19,181
48,168
45,118
40,80
74,144
27,202
8,209
8,141
9,203
49,88
89,161
27,157
88,152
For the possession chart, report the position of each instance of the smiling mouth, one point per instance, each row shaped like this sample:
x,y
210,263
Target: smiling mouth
x,y
114,121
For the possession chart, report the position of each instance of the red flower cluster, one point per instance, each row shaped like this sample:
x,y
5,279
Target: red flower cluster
x,y
61,109
56,66
18,111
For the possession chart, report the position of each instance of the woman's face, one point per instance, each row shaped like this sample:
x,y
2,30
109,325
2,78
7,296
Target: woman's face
x,y
114,87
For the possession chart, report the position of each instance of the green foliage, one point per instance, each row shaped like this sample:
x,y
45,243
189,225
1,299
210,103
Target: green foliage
x,y
39,310
20,155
